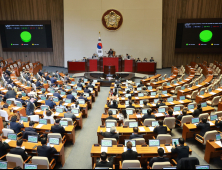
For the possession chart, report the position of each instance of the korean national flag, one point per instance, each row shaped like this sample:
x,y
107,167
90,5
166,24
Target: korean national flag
x,y
99,48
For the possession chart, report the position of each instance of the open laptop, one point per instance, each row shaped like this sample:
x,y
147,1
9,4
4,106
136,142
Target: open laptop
x,y
86,94
43,98
182,97
32,139
113,111
44,107
161,110
12,136
153,93
170,99
110,124
43,121
3,164
129,112
155,123
68,101
95,81
144,111
52,91
68,87
202,166
141,102
202,92
168,84
183,87
79,88
164,92
176,108
139,88
133,124
55,99
85,80
190,107
204,104
30,166
155,101
163,78
132,141
140,94
213,117
154,142
91,89
64,123
210,90
127,95
54,141
106,143
127,102
218,137
81,101
195,120
62,93
170,167
75,111
9,102
175,141
23,94
73,82
24,119
150,87
59,109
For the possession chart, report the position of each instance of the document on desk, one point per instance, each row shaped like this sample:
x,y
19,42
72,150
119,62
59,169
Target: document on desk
x,y
39,100
104,149
37,110
153,104
133,149
191,110
171,102
201,96
187,79
198,85
151,90
65,104
176,113
50,94
165,94
135,91
219,89
168,148
137,98
76,115
218,143
141,105
16,108
213,93
5,91
158,114
39,126
138,116
176,84
151,128
7,140
141,129
212,124
107,129
181,101
56,114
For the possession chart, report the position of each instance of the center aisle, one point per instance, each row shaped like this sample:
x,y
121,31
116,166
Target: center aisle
x,y
79,157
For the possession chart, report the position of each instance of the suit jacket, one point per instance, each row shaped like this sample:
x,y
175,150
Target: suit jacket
x,y
110,135
3,148
58,129
30,129
161,104
113,106
19,151
204,127
131,107
219,123
46,151
69,115
79,85
40,73
136,136
53,80
70,96
10,94
87,91
30,109
160,130
47,78
16,127
81,97
38,84
106,164
57,95
50,103
157,159
146,116
22,101
129,155
181,151
197,112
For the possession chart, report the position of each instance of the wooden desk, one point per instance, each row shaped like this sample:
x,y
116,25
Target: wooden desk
x,y
208,96
212,150
151,78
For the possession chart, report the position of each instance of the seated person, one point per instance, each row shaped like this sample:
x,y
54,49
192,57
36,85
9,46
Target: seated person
x,y
113,96
94,56
82,97
57,128
48,114
135,134
129,154
3,148
138,60
69,114
84,59
40,72
70,96
15,126
76,105
90,85
79,84
111,134
181,150
149,115
179,118
56,94
145,104
160,103
140,85
50,103
30,128
87,90
53,79
10,94
38,83
127,56
203,126
123,116
197,111
62,106
19,151
45,151
110,116
144,90
57,74
20,99
160,129
47,77
130,105
170,113
114,105
219,123
160,158
104,161
151,60
145,60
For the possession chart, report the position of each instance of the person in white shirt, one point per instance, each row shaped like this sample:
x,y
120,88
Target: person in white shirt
x,y
76,105
47,114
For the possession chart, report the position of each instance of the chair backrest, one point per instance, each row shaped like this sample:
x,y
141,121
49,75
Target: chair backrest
x,y
114,141
169,122
210,135
130,109
126,123
112,121
219,113
5,132
42,162
215,101
34,118
55,135
14,160
148,122
130,164
164,138
203,115
70,121
194,93
160,165
4,114
185,119
166,107
140,141
177,88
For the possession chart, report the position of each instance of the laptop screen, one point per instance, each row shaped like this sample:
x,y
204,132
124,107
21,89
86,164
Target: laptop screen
x,y
195,120
170,99
63,93
8,102
32,139
190,106
110,124
59,110
129,112
168,84
155,123
114,112
164,92
75,111
170,167
52,91
30,166
68,87
12,136
133,124
73,82
144,111
79,88
44,107
213,117
150,87
43,121
95,81
91,89
55,99
139,88
54,141
182,88
163,78
63,123
154,142
140,94
81,101
132,141
23,94
202,166
3,164
218,136
85,80
127,102
141,101
68,101
204,104
196,83
24,119
106,143
202,93
43,98
127,95
156,100
210,90
175,141
176,108
182,97
161,110
153,93
86,94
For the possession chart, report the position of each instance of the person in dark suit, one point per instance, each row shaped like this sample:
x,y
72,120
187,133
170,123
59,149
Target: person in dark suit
x,y
129,154
151,60
160,103
135,134
110,53
104,161
3,148
197,111
114,105
57,74
170,113
70,96
10,94
57,128
82,97
30,107
160,129
145,105
56,94
47,77
158,159
15,126
69,114
45,151
79,83
20,99
181,150
219,123
203,126
53,79
130,105
7,71
111,134
138,60
148,115
50,103
127,56
90,85
30,128
38,84
87,90
140,85
40,72
19,151
110,116
179,118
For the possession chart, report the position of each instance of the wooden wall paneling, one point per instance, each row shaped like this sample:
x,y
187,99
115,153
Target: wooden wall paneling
x,y
37,10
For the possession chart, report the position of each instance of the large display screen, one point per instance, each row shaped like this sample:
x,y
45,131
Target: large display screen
x,y
199,35
26,35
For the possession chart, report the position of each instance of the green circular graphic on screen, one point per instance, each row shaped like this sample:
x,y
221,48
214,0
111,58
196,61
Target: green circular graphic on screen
x,y
26,36
206,36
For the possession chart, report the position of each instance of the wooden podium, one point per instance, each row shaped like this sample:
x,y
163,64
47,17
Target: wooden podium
x,y
109,70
